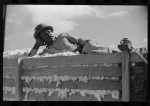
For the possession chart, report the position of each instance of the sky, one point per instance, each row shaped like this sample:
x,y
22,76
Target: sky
x,y
106,25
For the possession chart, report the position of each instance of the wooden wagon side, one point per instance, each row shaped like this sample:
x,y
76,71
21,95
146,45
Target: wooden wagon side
x,y
78,65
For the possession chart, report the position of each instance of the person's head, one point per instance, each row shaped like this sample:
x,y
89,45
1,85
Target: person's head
x,y
44,33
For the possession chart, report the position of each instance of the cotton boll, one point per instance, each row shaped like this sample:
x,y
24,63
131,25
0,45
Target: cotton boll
x,y
63,93
58,83
98,97
74,79
9,77
26,78
55,77
26,90
115,94
102,78
50,79
83,93
9,89
50,92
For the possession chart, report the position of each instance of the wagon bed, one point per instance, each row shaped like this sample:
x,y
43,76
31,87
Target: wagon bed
x,y
91,77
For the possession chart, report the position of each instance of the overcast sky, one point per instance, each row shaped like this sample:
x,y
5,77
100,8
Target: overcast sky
x,y
103,24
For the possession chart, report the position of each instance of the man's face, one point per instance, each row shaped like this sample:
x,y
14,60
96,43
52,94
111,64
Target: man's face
x,y
46,36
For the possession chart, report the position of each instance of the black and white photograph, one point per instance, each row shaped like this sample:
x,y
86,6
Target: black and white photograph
x,y
75,53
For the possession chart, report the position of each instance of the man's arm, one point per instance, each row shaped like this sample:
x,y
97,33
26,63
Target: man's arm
x,y
34,50
75,40
36,47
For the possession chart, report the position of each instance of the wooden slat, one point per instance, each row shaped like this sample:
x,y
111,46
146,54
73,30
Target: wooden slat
x,y
9,71
45,97
73,71
134,57
125,77
138,77
18,83
138,70
77,59
137,85
8,82
10,62
138,98
8,95
91,84
76,97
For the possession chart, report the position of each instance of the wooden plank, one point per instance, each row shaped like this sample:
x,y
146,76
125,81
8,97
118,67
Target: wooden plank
x,y
73,71
137,85
8,95
8,82
76,97
9,71
138,77
54,97
125,77
134,57
91,84
18,83
10,62
76,59
138,98
137,70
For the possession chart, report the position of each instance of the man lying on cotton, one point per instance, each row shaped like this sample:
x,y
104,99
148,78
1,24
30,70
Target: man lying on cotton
x,y
63,43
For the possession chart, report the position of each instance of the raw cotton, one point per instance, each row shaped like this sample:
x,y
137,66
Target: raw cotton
x,y
18,53
92,47
23,53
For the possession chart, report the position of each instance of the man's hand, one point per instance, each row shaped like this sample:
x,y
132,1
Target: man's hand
x,y
36,47
39,42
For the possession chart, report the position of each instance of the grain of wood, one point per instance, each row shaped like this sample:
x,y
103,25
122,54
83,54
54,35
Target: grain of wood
x,y
8,95
9,71
73,71
69,60
76,97
91,84
18,83
8,82
125,77
10,63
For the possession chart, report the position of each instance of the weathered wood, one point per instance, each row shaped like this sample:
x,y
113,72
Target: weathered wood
x,y
138,77
9,71
125,77
138,98
8,82
91,84
137,85
18,83
73,71
138,70
10,63
69,60
54,97
134,57
76,97
8,95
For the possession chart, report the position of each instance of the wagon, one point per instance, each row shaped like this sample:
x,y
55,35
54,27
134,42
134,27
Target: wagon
x,y
91,77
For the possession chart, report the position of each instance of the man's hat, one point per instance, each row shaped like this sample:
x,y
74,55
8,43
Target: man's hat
x,y
40,27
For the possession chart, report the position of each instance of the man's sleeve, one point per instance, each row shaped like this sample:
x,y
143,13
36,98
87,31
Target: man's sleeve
x,y
75,40
71,39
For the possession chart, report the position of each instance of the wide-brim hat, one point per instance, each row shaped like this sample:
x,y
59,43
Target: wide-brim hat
x,y
41,27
